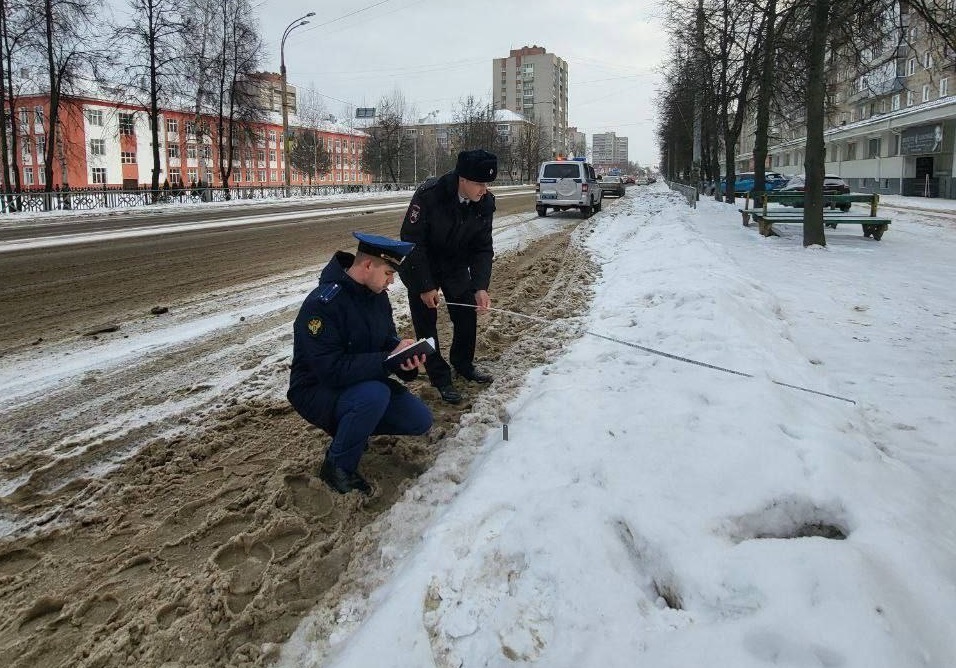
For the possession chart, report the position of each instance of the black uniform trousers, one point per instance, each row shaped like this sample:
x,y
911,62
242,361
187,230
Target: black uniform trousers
x,y
464,320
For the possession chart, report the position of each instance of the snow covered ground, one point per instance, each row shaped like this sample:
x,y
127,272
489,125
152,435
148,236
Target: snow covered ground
x,y
647,511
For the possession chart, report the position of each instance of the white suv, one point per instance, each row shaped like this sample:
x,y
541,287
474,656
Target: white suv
x,y
567,184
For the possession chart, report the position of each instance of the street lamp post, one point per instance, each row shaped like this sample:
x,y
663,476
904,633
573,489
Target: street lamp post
x,y
301,21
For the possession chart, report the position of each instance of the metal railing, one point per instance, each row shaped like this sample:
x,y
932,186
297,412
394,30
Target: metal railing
x,y
117,197
689,192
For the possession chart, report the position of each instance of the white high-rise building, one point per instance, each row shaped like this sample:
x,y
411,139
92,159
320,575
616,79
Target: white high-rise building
x,y
608,150
534,83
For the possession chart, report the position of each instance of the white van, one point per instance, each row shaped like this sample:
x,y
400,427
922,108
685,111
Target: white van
x,y
567,184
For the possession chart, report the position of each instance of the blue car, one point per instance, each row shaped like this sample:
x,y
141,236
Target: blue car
x,y
744,182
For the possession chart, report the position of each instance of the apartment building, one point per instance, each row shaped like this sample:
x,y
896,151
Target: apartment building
x,y
106,143
893,130
435,143
534,83
577,143
608,151
267,88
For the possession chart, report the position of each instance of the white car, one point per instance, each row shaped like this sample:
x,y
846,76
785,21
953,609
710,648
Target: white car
x,y
567,184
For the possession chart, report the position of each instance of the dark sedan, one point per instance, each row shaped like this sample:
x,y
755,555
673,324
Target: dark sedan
x,y
612,185
832,185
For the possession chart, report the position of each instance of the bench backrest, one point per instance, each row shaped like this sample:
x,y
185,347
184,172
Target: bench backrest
x,y
761,198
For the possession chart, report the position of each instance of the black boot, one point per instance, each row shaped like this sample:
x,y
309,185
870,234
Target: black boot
x,y
476,376
449,393
343,481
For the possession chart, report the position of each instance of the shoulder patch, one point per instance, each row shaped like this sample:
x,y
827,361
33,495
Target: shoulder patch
x,y
314,325
414,212
328,293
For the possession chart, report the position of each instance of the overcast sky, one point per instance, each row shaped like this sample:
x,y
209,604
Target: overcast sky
x,y
438,51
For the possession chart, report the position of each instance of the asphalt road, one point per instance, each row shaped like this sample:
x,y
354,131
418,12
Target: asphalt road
x,y
70,286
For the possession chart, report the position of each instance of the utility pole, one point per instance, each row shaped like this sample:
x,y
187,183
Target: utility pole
x,y
285,102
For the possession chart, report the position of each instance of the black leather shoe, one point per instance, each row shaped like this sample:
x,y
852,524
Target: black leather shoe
x,y
449,393
477,376
343,481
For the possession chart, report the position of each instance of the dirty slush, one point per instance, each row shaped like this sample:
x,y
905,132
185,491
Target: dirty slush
x,y
210,546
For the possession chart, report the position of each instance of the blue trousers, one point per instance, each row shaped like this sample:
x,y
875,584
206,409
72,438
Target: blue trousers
x,y
368,408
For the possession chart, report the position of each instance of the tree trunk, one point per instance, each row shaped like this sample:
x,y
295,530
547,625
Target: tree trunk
x,y
153,103
54,116
764,93
815,159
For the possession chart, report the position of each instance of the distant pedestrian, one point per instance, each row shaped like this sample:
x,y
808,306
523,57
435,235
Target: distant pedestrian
x,y
341,337
449,221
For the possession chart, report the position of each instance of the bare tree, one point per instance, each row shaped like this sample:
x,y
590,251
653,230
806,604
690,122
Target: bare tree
x,y
308,154
234,100
152,42
532,147
68,47
387,141
475,125
14,30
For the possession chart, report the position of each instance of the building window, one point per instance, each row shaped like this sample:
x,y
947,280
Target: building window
x,y
260,156
176,179
28,176
97,147
925,92
41,177
94,117
99,174
909,98
191,128
928,60
192,175
272,136
943,87
910,66
172,125
262,176
38,116
41,146
873,148
128,158
191,151
272,155
272,176
896,102
173,151
125,123
851,151
205,152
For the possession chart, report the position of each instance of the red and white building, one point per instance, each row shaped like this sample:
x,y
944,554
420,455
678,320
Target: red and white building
x,y
109,143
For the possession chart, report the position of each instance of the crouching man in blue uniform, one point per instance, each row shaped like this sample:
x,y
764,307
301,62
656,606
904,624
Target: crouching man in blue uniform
x,y
341,337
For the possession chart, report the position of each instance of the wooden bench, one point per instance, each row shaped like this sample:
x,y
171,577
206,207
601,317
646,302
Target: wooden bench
x,y
873,226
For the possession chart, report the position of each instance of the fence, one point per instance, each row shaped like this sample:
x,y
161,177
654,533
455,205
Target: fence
x,y
116,197
687,191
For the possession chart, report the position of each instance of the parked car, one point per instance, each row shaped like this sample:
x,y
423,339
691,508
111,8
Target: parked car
x,y
832,185
612,185
567,184
744,182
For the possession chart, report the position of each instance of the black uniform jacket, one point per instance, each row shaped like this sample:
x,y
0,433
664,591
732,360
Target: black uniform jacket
x,y
342,335
453,246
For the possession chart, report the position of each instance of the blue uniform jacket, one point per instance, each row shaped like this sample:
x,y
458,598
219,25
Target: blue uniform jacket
x,y
453,245
341,336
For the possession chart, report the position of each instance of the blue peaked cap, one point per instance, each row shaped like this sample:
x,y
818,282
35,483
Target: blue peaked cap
x,y
392,251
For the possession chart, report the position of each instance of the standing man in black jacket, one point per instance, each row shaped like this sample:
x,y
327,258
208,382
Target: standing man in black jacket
x,y
449,221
